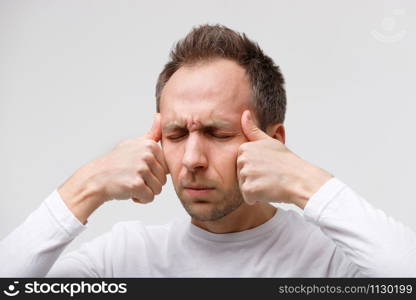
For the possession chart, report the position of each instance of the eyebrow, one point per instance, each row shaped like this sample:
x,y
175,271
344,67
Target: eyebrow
x,y
211,124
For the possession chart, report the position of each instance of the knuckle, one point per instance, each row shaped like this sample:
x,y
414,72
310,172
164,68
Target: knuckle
x,y
243,173
136,184
149,144
240,151
143,170
244,189
158,189
242,160
246,169
249,189
139,200
149,197
148,157
243,147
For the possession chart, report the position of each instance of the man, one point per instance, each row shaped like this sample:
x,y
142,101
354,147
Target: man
x,y
221,104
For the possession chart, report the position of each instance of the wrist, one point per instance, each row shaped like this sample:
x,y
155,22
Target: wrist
x,y
310,185
81,194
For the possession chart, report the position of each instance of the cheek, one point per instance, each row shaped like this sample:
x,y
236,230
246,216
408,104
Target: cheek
x,y
224,162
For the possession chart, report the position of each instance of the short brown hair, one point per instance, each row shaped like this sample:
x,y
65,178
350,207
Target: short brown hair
x,y
207,42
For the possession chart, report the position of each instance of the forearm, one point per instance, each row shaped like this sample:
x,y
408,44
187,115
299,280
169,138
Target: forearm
x,y
81,194
311,180
376,243
33,247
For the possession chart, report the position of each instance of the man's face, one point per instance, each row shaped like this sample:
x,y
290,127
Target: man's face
x,y
201,108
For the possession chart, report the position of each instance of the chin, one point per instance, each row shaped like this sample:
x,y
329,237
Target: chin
x,y
210,208
200,210
205,211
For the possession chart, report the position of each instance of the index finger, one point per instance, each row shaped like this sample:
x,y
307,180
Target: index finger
x,y
161,158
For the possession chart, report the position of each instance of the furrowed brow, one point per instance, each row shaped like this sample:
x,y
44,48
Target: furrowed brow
x,y
217,124
209,125
172,126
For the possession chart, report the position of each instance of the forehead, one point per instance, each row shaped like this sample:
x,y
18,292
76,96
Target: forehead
x,y
216,90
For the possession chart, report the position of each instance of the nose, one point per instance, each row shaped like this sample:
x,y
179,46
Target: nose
x,y
194,157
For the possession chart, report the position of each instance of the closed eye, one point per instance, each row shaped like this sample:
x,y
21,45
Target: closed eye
x,y
179,136
218,136
175,137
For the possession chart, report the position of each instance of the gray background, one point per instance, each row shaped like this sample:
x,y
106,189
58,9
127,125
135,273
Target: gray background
x,y
77,77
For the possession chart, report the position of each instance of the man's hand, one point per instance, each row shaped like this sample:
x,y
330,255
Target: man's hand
x,y
268,171
135,169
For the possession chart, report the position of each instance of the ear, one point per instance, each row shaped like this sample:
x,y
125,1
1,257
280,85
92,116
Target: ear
x,y
277,131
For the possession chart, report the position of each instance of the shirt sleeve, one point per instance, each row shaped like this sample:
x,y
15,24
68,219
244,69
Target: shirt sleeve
x,y
376,243
32,248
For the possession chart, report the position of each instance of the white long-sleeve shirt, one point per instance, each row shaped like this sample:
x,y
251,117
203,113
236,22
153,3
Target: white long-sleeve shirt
x,y
339,235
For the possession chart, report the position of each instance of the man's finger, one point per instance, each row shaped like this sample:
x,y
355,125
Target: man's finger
x,y
161,159
250,129
153,183
143,195
155,132
159,172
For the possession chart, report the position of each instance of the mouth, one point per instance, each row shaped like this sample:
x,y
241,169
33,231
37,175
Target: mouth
x,y
198,191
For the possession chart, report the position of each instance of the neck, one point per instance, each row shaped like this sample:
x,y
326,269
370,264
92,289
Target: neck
x,y
243,218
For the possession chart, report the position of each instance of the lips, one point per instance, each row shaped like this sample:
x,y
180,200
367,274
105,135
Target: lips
x,y
198,191
199,187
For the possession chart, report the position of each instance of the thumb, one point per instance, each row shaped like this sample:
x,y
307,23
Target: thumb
x,y
155,132
250,129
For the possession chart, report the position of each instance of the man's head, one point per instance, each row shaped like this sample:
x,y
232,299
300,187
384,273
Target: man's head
x,y
214,74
